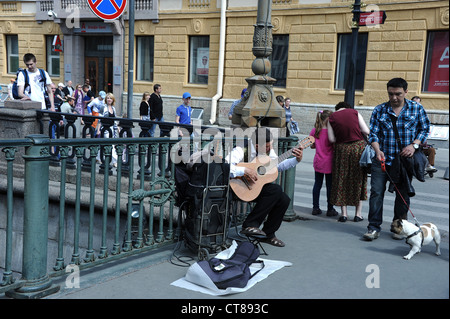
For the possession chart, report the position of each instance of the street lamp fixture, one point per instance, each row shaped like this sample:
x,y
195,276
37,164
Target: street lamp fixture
x,y
259,107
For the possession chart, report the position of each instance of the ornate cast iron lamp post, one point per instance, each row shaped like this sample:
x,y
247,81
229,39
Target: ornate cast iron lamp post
x,y
259,106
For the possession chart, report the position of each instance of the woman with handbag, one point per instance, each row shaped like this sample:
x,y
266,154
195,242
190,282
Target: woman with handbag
x,y
349,187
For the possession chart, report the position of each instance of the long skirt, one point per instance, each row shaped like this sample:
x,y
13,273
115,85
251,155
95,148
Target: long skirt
x,y
349,181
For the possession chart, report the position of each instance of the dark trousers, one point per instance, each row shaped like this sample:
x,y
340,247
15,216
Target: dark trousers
x,y
318,182
272,203
378,188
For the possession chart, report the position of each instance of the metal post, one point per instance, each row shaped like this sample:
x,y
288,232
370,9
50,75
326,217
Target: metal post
x,y
35,222
350,82
130,58
289,185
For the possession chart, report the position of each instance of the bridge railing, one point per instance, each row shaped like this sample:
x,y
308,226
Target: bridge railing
x,y
70,206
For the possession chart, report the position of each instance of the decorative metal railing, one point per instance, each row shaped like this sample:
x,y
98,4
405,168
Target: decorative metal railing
x,y
80,209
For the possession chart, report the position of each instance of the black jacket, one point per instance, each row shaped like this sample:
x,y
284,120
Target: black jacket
x,y
404,168
156,106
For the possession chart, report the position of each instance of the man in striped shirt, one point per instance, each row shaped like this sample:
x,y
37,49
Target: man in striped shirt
x,y
413,127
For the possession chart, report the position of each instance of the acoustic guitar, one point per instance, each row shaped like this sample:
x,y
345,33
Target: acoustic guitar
x,y
267,171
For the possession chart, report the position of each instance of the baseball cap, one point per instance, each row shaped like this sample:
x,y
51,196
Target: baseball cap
x,y
102,94
186,95
60,84
243,91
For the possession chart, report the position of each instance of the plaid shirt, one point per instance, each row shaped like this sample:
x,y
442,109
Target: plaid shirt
x,y
412,124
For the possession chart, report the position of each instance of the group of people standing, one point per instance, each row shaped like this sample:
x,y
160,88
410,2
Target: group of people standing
x,y
339,142
83,102
151,109
398,128
35,84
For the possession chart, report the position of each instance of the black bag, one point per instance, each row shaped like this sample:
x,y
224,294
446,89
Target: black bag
x,y
203,174
235,271
205,204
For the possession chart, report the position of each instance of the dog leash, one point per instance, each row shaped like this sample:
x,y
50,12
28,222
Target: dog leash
x,y
383,168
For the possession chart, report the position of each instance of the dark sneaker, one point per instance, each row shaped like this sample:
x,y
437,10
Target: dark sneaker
x,y
371,235
316,211
332,212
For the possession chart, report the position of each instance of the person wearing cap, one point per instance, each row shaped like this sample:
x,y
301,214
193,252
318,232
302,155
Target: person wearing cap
x,y
68,105
60,91
97,106
230,114
184,111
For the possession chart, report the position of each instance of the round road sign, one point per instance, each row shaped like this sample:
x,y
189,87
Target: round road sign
x,y
107,9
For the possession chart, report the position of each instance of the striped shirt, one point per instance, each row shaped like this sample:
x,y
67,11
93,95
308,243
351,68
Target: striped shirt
x,y
412,124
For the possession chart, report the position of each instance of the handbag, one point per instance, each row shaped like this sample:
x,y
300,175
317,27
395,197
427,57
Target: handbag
x,y
293,127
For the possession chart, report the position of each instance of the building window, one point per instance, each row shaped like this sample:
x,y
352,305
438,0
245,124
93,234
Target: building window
x,y
145,58
279,59
435,75
12,52
344,52
52,57
198,59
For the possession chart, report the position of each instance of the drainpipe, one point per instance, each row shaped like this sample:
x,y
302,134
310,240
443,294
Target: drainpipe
x,y
223,22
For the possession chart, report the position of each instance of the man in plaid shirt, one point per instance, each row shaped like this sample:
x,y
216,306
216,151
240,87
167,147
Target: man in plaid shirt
x,y
413,127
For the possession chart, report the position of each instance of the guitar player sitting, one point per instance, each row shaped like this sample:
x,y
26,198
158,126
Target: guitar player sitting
x,y
271,202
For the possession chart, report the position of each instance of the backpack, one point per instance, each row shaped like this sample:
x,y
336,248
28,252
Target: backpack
x,y
235,271
15,88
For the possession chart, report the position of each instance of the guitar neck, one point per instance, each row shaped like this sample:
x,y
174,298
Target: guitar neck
x,y
284,156
306,142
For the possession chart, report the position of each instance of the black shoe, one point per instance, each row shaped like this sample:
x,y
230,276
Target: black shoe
x,y
358,219
332,212
342,219
316,211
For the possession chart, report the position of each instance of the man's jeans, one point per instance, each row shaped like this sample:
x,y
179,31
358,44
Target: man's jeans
x,y
378,181
152,128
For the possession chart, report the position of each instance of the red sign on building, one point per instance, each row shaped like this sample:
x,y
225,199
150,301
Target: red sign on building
x,y
438,63
57,44
372,18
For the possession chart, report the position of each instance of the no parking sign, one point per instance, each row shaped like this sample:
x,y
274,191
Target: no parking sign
x,y
107,9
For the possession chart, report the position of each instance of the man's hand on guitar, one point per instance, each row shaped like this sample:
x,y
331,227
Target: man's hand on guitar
x,y
298,153
251,175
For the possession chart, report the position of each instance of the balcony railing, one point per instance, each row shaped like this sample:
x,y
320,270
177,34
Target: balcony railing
x,y
144,10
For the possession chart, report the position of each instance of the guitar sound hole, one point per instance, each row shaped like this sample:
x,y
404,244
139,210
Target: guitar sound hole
x,y
261,170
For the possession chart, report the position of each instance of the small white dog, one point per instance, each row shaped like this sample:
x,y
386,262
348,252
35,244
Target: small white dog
x,y
416,236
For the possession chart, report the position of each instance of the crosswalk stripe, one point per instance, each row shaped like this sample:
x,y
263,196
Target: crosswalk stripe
x,y
421,205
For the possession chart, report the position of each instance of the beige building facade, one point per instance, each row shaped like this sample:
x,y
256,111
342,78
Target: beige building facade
x,y
205,47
